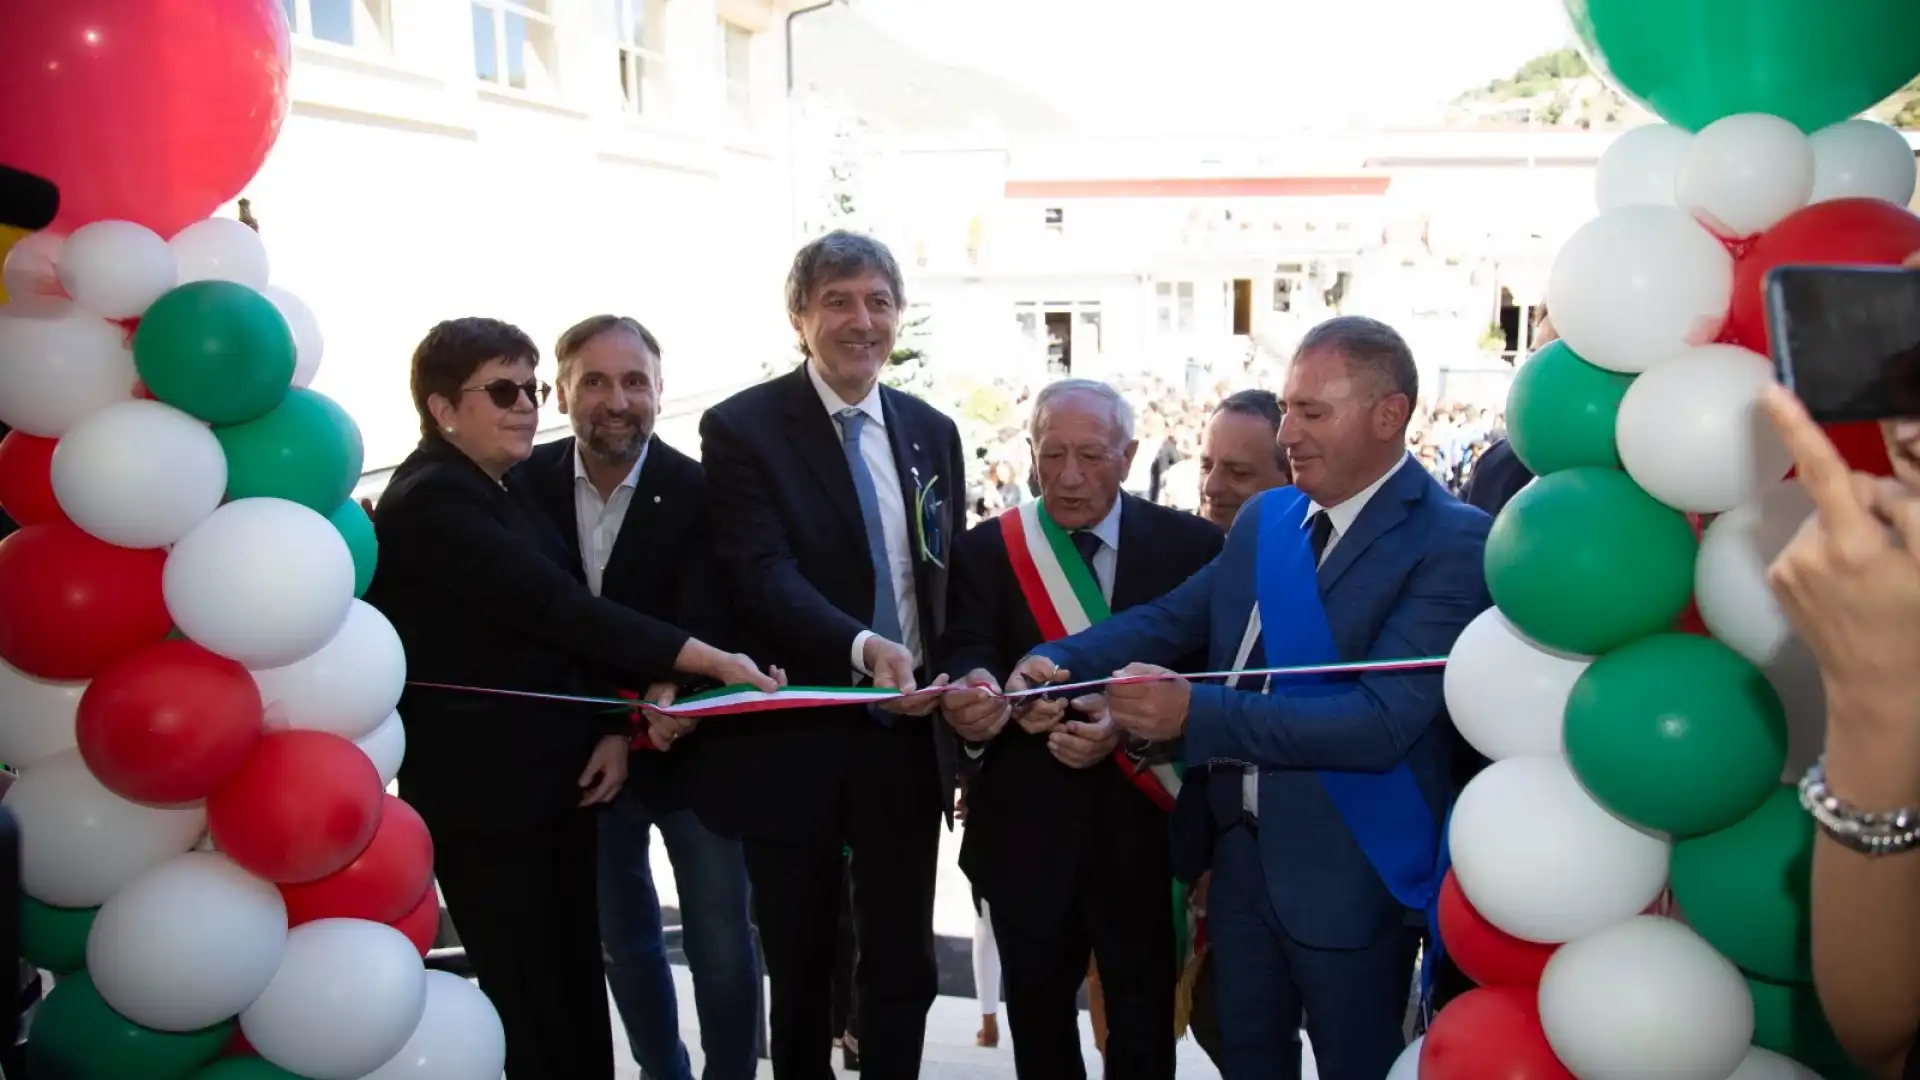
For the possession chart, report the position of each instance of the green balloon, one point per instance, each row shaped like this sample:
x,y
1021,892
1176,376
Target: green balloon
x,y
1561,412
77,1036
307,450
357,530
1584,561
1787,1020
1745,888
55,938
244,1068
1692,62
1676,733
217,350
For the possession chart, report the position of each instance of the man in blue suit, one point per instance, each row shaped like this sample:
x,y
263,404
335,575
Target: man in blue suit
x,y
1322,800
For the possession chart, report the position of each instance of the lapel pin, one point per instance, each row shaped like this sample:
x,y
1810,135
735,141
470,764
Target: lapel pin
x,y
656,498
916,447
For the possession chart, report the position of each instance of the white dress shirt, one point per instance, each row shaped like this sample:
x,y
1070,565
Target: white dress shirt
x,y
599,520
1342,515
894,526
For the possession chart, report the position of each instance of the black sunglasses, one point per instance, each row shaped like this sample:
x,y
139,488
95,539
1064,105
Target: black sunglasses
x,y
505,393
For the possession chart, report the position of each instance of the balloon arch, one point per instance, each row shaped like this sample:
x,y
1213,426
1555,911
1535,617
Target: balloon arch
x,y
200,708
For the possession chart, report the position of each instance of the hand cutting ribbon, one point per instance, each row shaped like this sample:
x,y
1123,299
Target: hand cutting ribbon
x,y
741,700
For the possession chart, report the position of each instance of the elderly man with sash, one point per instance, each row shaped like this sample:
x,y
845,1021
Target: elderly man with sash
x,y
1067,829
1326,796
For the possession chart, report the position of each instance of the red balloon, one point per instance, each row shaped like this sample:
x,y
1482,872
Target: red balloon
x,y
1485,953
238,1046
169,724
153,111
70,604
1492,1033
422,924
382,885
1866,232
26,479
304,805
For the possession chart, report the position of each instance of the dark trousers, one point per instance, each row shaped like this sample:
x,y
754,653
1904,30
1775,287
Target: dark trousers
x,y
846,953
1121,914
522,902
889,816
1354,1000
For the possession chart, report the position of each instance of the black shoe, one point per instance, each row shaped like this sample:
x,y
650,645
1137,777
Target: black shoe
x,y
849,1059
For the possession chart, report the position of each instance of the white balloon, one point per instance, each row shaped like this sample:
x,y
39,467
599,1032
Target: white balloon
x,y
1641,167
346,998
386,747
1405,1067
1638,285
80,843
32,267
116,268
1507,694
349,686
220,249
1691,431
460,1038
1730,576
1541,860
139,474
1645,1000
191,943
1743,173
1862,158
309,344
262,581
36,717
1764,1064
59,364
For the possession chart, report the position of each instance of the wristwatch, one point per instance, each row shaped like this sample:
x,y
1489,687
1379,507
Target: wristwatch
x,y
1871,834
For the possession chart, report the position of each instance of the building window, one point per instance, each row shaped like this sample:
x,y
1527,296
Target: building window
x,y
736,67
638,29
360,24
516,45
1173,307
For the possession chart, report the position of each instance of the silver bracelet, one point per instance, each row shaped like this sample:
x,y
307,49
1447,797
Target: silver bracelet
x,y
1873,835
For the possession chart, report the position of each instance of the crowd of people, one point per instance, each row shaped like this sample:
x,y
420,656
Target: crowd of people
x,y
828,537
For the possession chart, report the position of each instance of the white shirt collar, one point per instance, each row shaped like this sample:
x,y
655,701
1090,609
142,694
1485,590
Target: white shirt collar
x,y
1108,528
633,474
834,406
1344,514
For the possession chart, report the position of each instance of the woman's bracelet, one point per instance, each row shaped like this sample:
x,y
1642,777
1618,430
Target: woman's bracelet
x,y
1870,834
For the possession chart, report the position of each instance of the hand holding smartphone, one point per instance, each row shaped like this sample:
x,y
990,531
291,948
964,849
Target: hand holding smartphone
x,y
1846,340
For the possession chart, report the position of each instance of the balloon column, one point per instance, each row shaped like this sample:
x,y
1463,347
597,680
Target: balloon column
x,y
1630,875
201,708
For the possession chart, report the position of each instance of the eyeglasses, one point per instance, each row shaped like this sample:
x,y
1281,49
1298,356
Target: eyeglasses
x,y
505,393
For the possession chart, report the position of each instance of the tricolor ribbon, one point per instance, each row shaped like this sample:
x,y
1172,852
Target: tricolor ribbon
x,y
743,699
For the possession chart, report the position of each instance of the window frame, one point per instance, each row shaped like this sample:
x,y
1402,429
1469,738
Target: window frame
x,y
501,80
637,59
300,26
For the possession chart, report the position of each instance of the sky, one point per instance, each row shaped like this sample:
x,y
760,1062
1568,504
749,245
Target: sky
x,y
1244,63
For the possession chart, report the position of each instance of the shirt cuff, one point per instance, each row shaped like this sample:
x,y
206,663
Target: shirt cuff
x,y
860,652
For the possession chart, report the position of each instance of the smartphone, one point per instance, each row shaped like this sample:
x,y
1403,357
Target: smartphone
x,y
1846,339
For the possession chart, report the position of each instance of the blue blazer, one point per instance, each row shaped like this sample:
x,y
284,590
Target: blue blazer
x,y
1403,582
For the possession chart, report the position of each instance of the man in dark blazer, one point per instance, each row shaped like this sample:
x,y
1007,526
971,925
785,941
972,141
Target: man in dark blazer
x,y
834,503
633,512
1327,795
1067,849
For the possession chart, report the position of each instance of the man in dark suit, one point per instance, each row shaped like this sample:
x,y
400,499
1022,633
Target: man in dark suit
x,y
633,512
1327,796
834,502
1066,847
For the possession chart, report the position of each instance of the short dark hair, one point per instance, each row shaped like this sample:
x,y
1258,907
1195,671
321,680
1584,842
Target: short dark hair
x,y
452,351
1370,345
579,334
835,257
1264,404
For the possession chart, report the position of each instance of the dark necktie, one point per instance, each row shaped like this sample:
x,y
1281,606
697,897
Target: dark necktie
x,y
1319,533
886,611
1088,545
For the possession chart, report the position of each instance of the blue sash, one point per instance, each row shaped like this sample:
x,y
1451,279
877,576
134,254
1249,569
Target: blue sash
x,y
1386,812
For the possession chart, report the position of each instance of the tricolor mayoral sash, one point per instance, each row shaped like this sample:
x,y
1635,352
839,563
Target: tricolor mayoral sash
x,y
1065,598
1386,812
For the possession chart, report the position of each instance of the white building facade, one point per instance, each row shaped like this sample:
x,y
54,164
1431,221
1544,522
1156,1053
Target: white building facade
x,y
535,161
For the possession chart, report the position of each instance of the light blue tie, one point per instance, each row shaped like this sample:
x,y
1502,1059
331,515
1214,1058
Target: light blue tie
x,y
886,613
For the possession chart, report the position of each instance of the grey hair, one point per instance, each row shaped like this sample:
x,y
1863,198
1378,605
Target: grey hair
x,y
1370,345
1121,411
835,257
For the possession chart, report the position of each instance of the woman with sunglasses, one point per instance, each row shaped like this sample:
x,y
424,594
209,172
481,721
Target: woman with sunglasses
x,y
480,594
